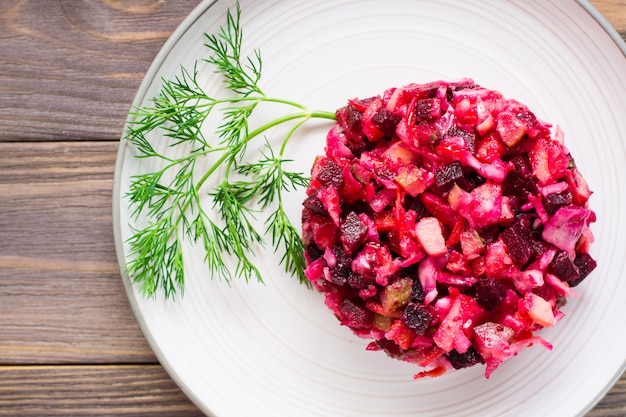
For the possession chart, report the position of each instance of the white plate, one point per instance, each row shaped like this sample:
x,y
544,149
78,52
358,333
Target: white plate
x,y
275,350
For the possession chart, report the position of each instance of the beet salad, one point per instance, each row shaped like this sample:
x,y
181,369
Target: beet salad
x,y
447,224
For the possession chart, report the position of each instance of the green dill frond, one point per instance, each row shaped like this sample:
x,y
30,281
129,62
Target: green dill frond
x,y
171,130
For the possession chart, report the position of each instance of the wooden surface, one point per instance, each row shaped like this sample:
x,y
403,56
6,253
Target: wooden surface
x,y
69,342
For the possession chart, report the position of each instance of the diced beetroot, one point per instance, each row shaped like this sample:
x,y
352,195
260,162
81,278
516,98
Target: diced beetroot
x,y
469,138
447,223
490,293
386,121
564,267
519,181
464,360
352,232
328,173
354,315
449,174
519,241
312,205
585,264
427,109
554,201
417,317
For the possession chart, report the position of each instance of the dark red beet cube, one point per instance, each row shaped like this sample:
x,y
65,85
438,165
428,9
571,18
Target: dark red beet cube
x,y
427,109
330,174
313,205
417,293
417,318
344,261
468,137
449,174
350,119
352,232
312,252
585,264
552,202
518,240
353,118
386,121
354,315
519,181
490,292
389,346
563,267
464,360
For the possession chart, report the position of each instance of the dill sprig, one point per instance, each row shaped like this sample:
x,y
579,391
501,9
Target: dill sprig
x,y
169,203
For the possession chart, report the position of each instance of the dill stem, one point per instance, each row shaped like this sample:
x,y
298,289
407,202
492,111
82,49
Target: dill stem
x,y
305,116
294,116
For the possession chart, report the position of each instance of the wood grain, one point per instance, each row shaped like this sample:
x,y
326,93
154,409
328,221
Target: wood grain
x,y
61,295
117,390
70,69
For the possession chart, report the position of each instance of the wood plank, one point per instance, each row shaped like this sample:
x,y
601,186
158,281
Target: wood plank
x,y
61,295
70,69
113,390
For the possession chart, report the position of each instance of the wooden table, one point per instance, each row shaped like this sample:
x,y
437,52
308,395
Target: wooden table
x,y
69,342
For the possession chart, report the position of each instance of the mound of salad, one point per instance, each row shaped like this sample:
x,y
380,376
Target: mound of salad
x,y
447,224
